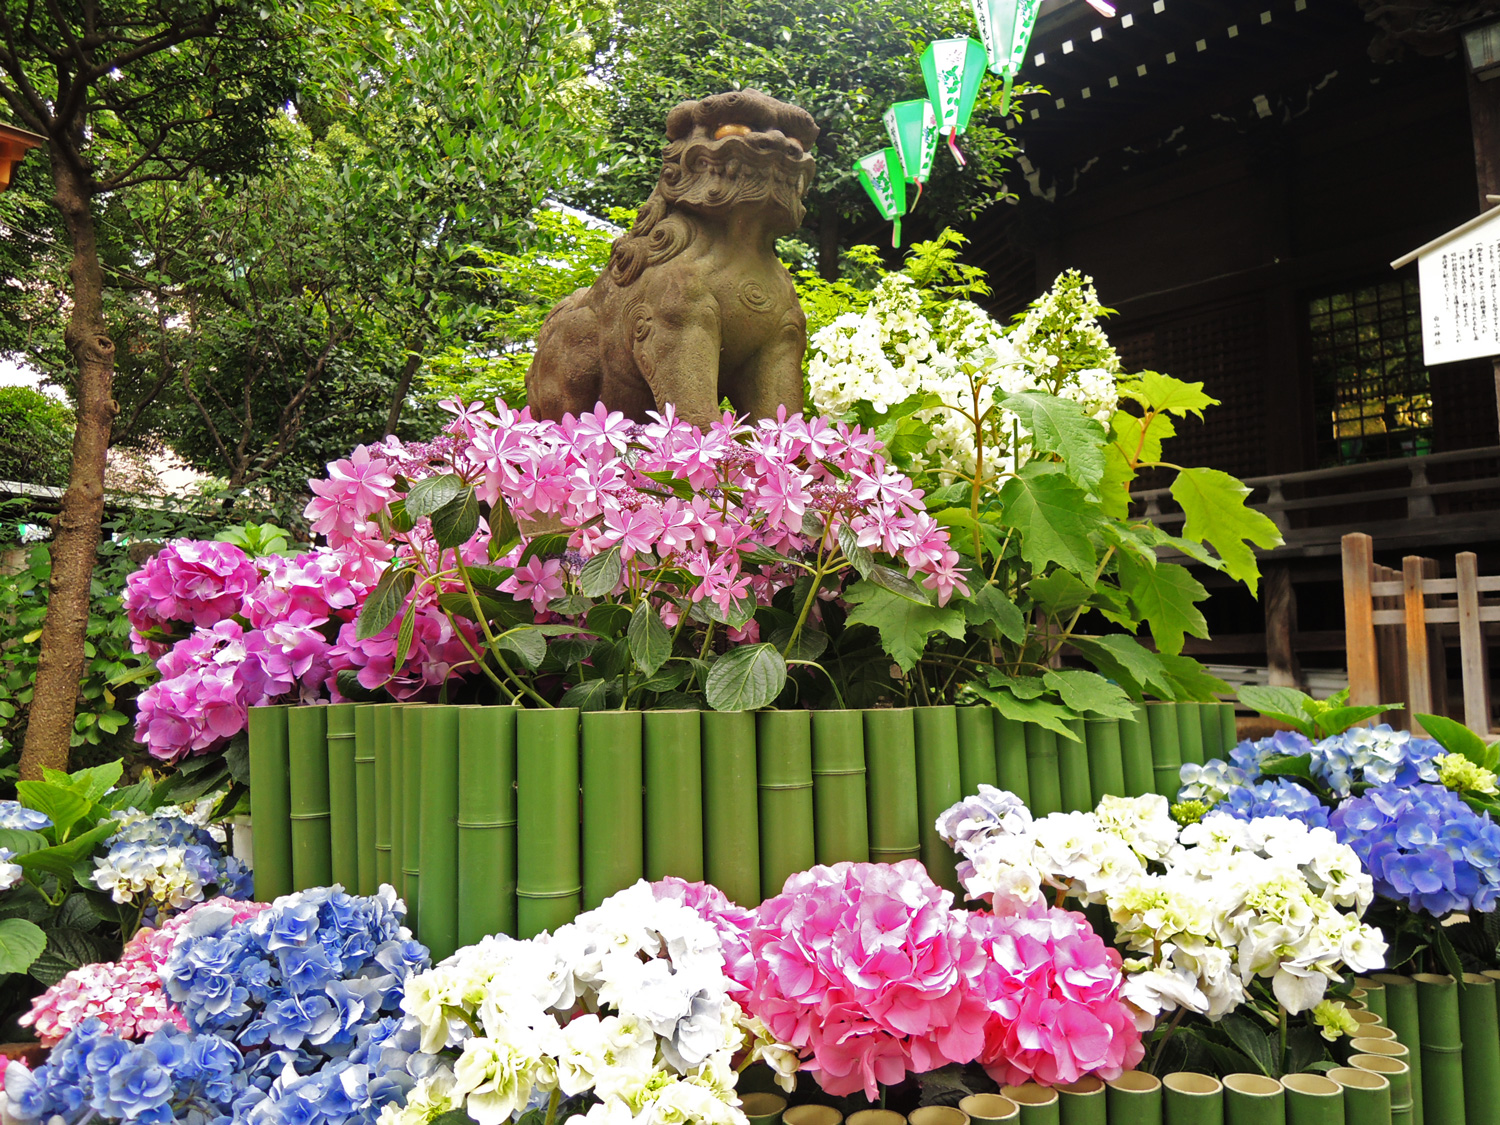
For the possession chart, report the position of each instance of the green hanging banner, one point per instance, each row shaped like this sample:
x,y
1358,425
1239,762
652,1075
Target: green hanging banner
x,y
913,130
881,174
953,70
1006,27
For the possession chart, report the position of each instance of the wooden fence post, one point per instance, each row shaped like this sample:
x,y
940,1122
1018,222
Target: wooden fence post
x,y
1418,663
1476,672
1359,621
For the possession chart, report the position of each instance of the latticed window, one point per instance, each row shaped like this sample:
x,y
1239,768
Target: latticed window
x,y
1373,395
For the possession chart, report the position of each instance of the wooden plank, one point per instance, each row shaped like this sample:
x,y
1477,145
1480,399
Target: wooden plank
x,y
1359,624
1472,655
1390,646
1443,615
1418,666
1280,599
1437,661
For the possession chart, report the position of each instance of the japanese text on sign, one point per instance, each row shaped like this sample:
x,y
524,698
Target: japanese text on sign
x,y
1460,279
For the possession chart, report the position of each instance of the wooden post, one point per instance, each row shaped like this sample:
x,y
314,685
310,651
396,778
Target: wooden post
x,y
1418,666
1281,626
1476,672
1437,657
1390,650
1359,622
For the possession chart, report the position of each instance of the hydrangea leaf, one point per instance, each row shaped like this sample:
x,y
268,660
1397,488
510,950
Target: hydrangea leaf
x,y
1214,504
431,493
1039,711
1114,488
1128,662
600,575
746,678
65,807
1456,738
383,602
1087,691
21,943
1054,518
1060,426
1336,720
65,949
591,695
1285,704
904,625
1059,593
1166,597
528,644
456,521
650,640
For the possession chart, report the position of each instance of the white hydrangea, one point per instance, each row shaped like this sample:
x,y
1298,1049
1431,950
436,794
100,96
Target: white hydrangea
x,y
10,873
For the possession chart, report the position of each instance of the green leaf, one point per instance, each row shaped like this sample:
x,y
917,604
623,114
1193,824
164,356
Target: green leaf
x,y
650,640
608,619
529,644
898,584
746,678
90,783
904,625
1190,680
664,679
591,695
1289,765
1139,441
384,602
1288,705
673,483
455,523
862,559
547,546
81,911
1163,393
1128,662
1087,691
21,943
961,526
67,949
1254,1043
431,493
1039,711
601,574
59,860
1214,504
811,643
1059,593
19,841
1054,518
1336,720
990,606
65,806
1166,597
1060,426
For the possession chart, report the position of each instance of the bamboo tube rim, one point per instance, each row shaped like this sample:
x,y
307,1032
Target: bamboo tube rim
x,y
1086,1086
1387,1048
1375,1031
1363,1015
762,1105
812,1115
1135,1082
1358,1078
1479,979
937,1115
876,1117
1029,1094
1379,1064
1253,1085
1433,978
1193,1084
984,1107
1312,1085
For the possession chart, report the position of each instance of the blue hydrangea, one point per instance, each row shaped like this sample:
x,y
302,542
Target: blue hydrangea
x,y
168,862
1424,846
1277,797
13,814
1375,756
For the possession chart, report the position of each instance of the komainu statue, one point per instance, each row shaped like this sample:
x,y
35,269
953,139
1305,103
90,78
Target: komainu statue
x,y
694,306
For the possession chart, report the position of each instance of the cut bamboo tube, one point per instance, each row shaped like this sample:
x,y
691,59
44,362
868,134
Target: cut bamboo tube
x,y
549,881
1135,755
1166,749
1192,1099
343,799
731,805
364,798
438,829
763,1109
1039,1105
938,788
1082,1102
672,745
1375,1031
1398,1074
1190,731
307,770
989,1109
1042,771
876,1117
1442,1049
1253,1099
384,787
270,803
783,758
976,749
937,1115
1402,1017
841,816
1212,736
1313,1100
1073,769
1228,734
1134,1098
397,729
412,717
1010,757
1367,1096
812,1114
1386,1048
614,828
1374,996
1479,1034
1106,760
891,762
487,822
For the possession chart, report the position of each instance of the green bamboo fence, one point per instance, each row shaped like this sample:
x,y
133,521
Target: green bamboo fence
x,y
549,882
364,799
438,829
1166,748
1106,761
1073,769
307,776
841,816
1010,757
343,797
384,785
784,777
891,780
1135,755
1083,1102
487,822
613,804
1190,731
731,805
1192,1099
1042,771
1253,1099
396,807
1313,1100
938,787
270,802
1441,1049
976,749
412,717
1403,1017
673,757
1480,1036
1134,1098
1367,1096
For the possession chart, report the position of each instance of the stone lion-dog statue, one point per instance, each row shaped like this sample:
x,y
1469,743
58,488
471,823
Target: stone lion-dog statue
x,y
694,306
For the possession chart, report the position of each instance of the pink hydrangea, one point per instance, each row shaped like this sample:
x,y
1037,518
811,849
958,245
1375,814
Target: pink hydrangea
x,y
733,922
188,582
354,490
125,994
1054,997
869,969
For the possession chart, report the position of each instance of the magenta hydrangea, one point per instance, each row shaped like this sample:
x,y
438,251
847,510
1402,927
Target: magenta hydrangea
x,y
188,582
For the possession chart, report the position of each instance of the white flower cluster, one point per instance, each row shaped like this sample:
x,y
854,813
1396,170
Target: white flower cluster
x,y
653,1032
10,873
1207,909
894,349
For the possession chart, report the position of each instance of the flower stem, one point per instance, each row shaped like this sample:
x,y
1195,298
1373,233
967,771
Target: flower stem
x,y
1162,1043
552,1107
1281,1030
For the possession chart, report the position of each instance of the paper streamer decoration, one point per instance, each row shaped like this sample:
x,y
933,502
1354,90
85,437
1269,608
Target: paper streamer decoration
x,y
913,130
1005,26
881,174
953,70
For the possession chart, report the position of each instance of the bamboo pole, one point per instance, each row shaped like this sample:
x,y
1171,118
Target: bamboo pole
x,y
1135,754
784,775
397,727
1229,736
384,787
1039,1104
548,872
989,1109
938,788
891,759
1212,737
1082,1102
1403,1017
1106,761
1367,1096
1480,1036
1166,749
486,822
270,803
976,749
1190,731
614,827
1134,1098
1313,1100
438,829
364,798
1374,997
1192,1099
841,817
1073,768
1442,1049
1042,771
307,771
343,800
674,794
1010,757
731,805
412,716
1398,1074
1253,1099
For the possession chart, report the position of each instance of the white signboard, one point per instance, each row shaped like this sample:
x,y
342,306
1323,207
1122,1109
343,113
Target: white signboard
x,y
1460,278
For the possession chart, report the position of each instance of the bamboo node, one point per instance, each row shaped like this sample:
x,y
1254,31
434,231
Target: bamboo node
x,y
548,894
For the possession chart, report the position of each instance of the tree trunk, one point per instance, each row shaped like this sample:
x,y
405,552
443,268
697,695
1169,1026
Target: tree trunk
x,y
403,385
828,240
60,667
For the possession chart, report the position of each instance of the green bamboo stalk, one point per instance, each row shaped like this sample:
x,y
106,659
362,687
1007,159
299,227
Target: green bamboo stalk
x,y
1403,1017
614,828
1073,768
976,749
307,771
1398,1074
1039,1105
1442,1049
412,717
1212,736
783,756
548,872
841,818
384,787
989,1109
438,822
397,728
1313,1100
1228,733
1082,1102
270,803
1190,731
1166,749
1367,1096
364,798
1253,1099
1374,997
487,822
891,759
674,795
1480,1036
1010,757
731,805
1134,1098
1106,762
939,787
343,802
1192,1099
1042,771
1135,754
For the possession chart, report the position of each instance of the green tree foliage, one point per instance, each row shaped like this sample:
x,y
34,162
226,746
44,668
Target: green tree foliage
x,y
35,435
